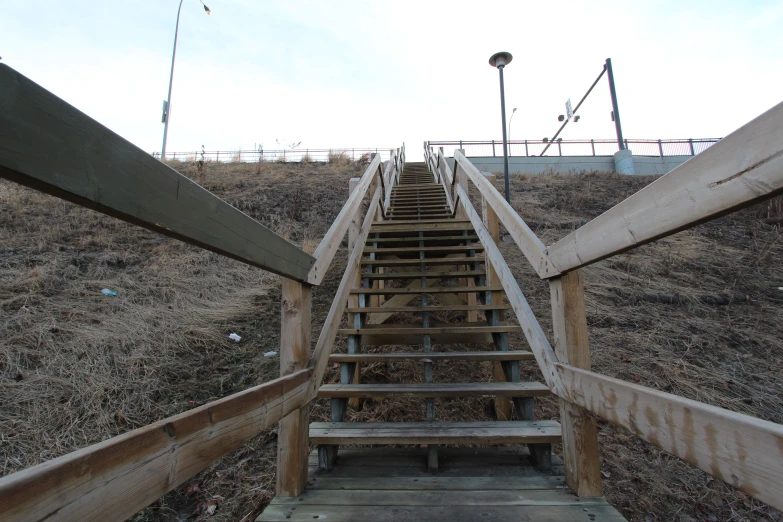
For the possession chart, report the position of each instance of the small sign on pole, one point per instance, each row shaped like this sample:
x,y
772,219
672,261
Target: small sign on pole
x,y
569,110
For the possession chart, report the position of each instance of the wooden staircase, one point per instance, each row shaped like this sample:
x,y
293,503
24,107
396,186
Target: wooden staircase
x,y
421,263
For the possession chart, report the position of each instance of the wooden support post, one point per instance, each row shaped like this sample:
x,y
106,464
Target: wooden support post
x,y
293,429
502,404
353,228
580,438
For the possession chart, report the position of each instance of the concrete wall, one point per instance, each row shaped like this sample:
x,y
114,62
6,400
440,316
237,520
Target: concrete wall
x,y
643,165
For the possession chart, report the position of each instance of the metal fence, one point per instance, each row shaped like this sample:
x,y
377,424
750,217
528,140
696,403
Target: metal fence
x,y
654,148
292,155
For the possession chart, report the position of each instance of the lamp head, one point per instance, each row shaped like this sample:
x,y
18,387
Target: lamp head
x,y
515,110
500,59
207,10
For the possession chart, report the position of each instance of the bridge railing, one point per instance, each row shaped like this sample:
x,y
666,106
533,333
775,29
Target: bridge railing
x,y
49,145
529,148
742,169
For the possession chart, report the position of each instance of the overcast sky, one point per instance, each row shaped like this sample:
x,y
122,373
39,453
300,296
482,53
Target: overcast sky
x,y
375,74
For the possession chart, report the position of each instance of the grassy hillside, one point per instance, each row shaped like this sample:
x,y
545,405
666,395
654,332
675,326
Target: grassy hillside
x,y
697,314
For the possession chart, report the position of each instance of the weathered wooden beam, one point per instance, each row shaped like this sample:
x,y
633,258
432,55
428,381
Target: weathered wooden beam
x,y
325,343
292,432
532,247
334,236
114,479
51,146
743,168
744,451
536,338
580,436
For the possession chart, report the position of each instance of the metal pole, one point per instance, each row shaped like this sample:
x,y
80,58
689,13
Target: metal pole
x,y
171,81
615,109
505,139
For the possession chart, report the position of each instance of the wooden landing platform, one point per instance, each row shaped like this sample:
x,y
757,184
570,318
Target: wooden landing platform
x,y
392,484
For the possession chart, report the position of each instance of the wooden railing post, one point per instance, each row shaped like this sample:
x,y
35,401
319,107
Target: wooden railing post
x,y
353,228
502,404
580,437
353,299
293,430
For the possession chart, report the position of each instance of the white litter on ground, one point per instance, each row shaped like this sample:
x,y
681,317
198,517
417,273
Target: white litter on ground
x,y
234,337
270,354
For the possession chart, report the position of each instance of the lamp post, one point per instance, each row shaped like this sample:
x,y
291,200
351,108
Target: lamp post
x,y
167,103
500,60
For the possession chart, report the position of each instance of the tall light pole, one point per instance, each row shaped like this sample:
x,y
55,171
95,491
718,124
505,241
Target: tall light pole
x,y
500,60
167,103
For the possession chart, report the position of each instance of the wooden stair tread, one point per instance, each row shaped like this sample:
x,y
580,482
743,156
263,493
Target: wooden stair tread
x,y
413,249
434,308
409,239
394,228
497,432
511,355
419,390
429,290
417,222
427,261
416,275
418,330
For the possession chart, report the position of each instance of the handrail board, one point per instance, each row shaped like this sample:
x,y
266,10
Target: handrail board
x,y
744,451
328,246
51,146
115,478
743,168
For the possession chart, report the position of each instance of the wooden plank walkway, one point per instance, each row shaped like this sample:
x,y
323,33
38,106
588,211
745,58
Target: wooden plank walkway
x,y
393,484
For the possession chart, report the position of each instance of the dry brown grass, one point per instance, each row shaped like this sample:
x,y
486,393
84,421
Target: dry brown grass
x,y
77,367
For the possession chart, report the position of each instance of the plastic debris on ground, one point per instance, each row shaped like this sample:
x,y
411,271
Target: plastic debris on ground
x,y
270,354
106,291
234,337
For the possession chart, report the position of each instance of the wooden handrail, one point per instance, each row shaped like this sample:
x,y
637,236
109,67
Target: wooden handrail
x,y
743,168
116,478
51,146
334,236
744,451
325,344
539,344
532,247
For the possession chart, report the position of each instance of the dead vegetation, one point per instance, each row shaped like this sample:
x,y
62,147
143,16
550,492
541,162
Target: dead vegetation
x,y
697,314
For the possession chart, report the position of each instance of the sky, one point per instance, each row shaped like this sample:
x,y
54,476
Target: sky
x,y
379,73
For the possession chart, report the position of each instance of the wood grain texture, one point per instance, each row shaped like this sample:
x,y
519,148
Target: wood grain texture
x,y
411,433
49,145
325,343
743,168
114,479
292,442
580,436
328,246
532,247
511,355
744,451
467,389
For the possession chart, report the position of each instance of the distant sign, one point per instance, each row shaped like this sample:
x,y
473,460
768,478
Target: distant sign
x,y
569,110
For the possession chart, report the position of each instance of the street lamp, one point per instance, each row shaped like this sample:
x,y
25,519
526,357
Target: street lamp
x,y
167,103
500,60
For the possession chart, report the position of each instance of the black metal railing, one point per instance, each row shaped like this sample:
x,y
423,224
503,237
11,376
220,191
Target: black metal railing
x,y
659,148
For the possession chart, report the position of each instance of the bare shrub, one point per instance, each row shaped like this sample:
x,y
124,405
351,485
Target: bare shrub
x,y
339,158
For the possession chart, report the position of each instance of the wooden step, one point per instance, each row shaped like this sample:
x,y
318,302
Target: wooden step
x,y
430,261
419,221
430,331
409,239
388,227
497,432
435,308
467,389
411,250
511,355
431,290
416,275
